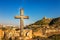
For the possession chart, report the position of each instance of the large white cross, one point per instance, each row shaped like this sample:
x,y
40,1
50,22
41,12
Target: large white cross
x,y
21,17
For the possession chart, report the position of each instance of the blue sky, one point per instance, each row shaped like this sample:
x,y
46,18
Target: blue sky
x,y
35,9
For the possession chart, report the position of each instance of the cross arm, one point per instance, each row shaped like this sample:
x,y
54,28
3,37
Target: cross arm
x,y
19,17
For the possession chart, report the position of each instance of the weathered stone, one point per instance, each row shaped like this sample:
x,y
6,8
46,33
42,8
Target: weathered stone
x,y
21,17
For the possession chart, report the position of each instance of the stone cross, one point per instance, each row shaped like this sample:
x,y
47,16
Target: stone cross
x,y
21,17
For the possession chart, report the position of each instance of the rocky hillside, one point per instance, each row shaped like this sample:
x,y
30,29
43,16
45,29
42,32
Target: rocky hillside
x,y
44,21
50,22
55,21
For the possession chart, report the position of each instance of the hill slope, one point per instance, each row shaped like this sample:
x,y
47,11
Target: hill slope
x,y
46,21
55,21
